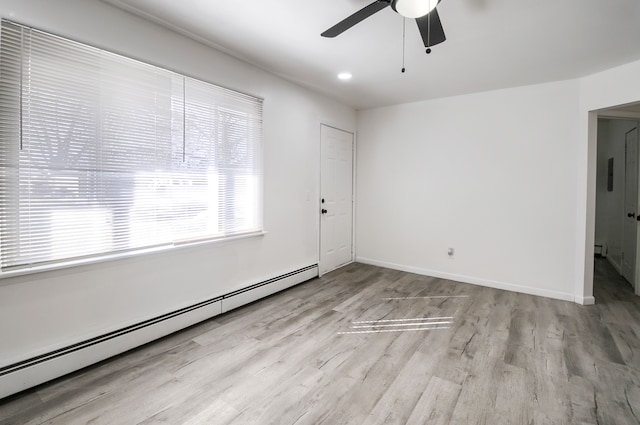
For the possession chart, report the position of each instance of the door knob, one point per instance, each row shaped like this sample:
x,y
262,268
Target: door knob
x,y
631,215
324,211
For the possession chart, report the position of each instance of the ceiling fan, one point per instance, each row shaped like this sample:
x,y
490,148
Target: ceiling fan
x,y
424,12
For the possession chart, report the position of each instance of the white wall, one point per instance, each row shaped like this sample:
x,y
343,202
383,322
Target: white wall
x,y
43,311
437,206
610,205
492,175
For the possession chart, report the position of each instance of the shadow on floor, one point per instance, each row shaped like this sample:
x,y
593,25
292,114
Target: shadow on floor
x,y
609,285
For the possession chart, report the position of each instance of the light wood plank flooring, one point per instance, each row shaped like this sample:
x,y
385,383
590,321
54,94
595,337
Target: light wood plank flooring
x,y
298,357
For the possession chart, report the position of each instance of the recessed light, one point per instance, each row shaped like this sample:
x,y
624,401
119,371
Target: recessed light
x,y
345,76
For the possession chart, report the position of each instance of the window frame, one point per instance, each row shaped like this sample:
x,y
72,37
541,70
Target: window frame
x,y
176,244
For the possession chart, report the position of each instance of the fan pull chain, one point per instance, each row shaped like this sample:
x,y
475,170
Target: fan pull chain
x,y
404,27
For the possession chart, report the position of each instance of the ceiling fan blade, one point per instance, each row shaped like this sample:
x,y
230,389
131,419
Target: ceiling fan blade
x,y
357,17
431,29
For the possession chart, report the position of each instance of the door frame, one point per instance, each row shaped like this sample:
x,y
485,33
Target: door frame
x,y
635,280
592,133
353,190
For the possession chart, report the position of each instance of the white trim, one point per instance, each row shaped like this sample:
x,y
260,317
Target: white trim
x,y
319,200
586,211
42,372
476,281
585,300
614,264
619,115
251,295
636,271
128,254
354,170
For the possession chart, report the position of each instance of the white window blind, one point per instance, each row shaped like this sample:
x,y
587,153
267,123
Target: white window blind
x,y
101,154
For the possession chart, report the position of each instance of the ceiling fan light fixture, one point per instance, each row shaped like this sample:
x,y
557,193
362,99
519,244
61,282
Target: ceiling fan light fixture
x,y
413,8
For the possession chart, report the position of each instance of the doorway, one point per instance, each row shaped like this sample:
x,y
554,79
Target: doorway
x,y
616,221
336,198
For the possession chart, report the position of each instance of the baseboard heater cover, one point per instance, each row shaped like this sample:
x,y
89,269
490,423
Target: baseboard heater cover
x,y
28,373
260,290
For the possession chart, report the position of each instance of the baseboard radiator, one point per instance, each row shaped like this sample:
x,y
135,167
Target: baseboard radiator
x,y
40,369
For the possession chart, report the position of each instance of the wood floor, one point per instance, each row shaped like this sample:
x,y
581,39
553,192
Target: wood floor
x,y
299,357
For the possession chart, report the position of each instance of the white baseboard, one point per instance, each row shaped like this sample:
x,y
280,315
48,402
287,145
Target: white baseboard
x,y
37,370
472,280
615,264
585,300
236,300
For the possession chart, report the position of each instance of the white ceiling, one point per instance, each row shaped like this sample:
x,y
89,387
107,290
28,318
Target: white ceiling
x,y
491,44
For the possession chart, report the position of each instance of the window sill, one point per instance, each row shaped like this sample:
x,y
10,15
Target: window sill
x,y
129,254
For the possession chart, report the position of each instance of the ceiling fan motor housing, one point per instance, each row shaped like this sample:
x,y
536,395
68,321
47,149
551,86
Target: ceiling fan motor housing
x,y
413,8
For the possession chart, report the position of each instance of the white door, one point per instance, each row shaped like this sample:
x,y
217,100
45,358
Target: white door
x,y
629,235
336,203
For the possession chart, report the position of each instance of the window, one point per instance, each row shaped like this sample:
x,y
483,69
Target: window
x,y
102,154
